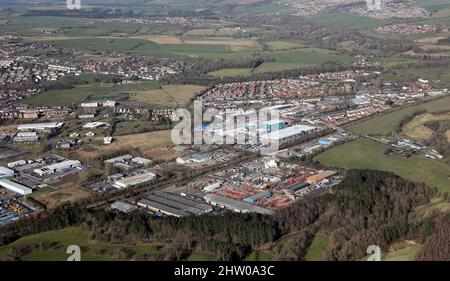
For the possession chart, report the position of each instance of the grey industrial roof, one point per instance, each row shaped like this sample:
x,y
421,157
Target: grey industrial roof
x,y
236,204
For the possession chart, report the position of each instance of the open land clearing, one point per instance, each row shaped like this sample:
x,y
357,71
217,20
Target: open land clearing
x,y
259,255
80,93
91,250
386,124
66,193
368,154
231,72
288,56
403,251
167,39
436,205
317,248
346,20
151,145
416,129
201,256
168,95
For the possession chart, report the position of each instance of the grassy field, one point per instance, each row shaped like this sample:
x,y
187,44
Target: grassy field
x,y
81,93
68,97
416,129
91,250
201,256
367,154
150,145
403,251
386,124
281,45
434,5
168,95
197,48
437,205
231,72
66,193
299,58
259,256
346,20
317,248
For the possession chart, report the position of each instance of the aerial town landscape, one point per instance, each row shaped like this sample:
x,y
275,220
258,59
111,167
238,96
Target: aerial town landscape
x,y
92,99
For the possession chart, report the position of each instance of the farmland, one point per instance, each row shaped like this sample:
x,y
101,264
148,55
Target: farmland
x,y
367,154
346,20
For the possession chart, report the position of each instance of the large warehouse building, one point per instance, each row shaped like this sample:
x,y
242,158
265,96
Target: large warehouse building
x,y
134,180
171,204
6,173
57,167
40,126
235,205
288,133
16,187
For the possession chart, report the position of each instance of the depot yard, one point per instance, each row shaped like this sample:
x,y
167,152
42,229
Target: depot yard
x,y
368,154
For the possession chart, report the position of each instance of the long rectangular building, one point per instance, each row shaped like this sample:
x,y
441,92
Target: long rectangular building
x,y
134,180
40,126
57,167
174,205
288,133
16,187
235,205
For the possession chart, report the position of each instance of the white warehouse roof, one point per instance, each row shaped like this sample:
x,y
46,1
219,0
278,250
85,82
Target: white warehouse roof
x,y
134,180
235,205
16,187
6,172
288,132
40,126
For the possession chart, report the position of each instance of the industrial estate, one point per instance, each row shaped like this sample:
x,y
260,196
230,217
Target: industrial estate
x,y
90,99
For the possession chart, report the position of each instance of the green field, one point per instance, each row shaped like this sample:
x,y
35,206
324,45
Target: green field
x,y
408,253
386,124
299,58
147,48
434,5
347,20
259,256
317,248
90,250
281,45
201,256
80,93
367,154
231,72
